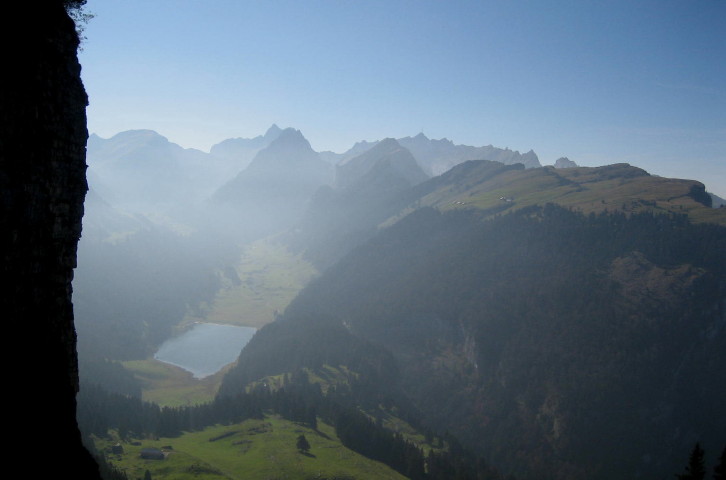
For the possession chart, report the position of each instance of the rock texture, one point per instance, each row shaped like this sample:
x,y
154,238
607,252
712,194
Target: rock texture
x,y
564,162
42,189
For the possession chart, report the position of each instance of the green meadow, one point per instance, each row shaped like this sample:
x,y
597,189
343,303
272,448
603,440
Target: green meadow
x,y
167,385
251,450
589,190
268,278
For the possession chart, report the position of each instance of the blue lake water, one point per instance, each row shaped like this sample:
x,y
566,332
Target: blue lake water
x,y
206,348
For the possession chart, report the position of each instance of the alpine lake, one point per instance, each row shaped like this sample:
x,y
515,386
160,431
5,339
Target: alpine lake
x,y
206,348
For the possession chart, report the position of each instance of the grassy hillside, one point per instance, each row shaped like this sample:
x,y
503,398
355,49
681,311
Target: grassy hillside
x,y
612,188
548,340
253,449
168,385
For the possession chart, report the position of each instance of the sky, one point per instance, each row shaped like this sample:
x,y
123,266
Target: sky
x,y
600,82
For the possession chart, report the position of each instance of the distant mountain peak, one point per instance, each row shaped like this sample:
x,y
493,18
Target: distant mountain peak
x,y
380,148
564,162
443,141
290,138
387,157
530,159
387,143
288,152
273,131
137,137
363,145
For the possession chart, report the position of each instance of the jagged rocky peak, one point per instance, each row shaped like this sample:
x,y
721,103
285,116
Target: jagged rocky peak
x,y
564,162
273,132
290,138
443,142
388,144
289,149
245,148
388,152
340,158
365,160
530,160
362,146
423,141
290,152
421,137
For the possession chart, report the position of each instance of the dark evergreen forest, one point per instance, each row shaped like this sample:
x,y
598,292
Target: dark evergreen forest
x,y
555,344
298,401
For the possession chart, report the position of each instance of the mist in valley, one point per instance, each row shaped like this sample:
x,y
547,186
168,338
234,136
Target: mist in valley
x,y
309,244
439,308
165,228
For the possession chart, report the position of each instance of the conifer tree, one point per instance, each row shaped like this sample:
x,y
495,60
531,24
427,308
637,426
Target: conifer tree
x,y
695,469
302,444
719,471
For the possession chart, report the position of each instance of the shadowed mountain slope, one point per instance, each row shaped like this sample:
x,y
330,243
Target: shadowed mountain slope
x,y
239,152
272,192
568,324
387,154
338,220
559,345
140,170
370,188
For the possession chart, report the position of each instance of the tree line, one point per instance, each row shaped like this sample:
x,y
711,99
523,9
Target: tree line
x,y
100,411
696,468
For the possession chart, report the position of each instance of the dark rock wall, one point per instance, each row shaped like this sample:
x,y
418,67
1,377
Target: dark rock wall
x,y
42,188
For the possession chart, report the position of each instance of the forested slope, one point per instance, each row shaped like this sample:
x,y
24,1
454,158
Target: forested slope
x,y
560,345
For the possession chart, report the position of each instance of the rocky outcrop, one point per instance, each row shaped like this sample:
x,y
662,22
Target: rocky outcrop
x,y
42,187
564,162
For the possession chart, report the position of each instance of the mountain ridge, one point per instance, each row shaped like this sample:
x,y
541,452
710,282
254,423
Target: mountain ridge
x,y
387,153
432,293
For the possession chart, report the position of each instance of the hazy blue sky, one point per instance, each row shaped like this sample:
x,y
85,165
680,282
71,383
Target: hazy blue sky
x,y
642,82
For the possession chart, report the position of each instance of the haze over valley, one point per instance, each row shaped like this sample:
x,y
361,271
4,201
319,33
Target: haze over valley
x,y
414,295
366,240
399,240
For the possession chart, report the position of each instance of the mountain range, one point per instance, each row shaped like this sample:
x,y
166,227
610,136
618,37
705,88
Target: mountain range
x,y
561,322
140,170
437,156
553,327
239,151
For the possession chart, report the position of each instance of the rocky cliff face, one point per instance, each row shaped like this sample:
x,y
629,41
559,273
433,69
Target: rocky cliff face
x,y
42,188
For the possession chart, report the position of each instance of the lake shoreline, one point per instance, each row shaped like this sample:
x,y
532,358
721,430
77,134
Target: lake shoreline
x,y
205,348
